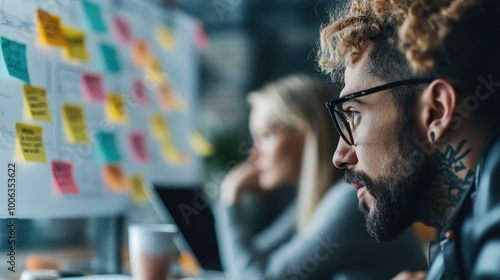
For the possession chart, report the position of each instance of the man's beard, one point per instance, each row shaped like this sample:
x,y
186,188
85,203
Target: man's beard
x,y
399,192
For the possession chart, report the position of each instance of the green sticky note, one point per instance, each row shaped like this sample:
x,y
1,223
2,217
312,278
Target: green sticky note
x,y
110,58
94,17
14,55
107,151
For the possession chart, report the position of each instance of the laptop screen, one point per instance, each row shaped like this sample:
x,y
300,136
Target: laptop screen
x,y
191,212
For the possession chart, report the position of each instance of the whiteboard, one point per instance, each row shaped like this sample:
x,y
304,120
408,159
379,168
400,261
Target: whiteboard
x,y
36,196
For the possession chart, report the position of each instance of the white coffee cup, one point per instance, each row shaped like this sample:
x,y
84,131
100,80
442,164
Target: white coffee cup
x,y
151,249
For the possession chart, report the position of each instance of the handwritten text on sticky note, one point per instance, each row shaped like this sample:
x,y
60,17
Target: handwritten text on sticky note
x,y
14,55
74,123
35,100
62,175
49,28
30,142
76,48
92,88
116,108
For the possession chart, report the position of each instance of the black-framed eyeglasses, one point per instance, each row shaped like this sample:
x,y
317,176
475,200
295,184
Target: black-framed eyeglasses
x,y
338,116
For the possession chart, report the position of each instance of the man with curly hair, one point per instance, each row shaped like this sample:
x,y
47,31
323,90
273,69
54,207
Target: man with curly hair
x,y
420,122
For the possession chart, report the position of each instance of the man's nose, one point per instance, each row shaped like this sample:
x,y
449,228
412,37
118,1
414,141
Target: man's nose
x,y
345,155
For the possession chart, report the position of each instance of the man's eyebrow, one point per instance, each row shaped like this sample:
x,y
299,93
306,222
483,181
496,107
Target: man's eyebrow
x,y
354,100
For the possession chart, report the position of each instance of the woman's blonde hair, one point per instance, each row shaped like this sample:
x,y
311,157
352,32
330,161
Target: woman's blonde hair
x,y
298,101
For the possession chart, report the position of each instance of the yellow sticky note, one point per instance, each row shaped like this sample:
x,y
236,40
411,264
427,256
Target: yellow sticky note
x,y
171,154
200,144
159,127
30,142
76,48
154,73
74,123
116,108
165,37
139,195
35,101
49,28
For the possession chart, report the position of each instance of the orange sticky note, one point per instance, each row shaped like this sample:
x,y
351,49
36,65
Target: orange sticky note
x,y
116,108
76,48
122,30
49,28
30,142
92,88
139,195
138,147
62,175
167,98
139,93
35,100
114,178
141,54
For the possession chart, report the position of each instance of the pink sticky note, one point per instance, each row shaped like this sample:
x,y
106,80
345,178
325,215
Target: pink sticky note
x,y
201,38
122,30
91,86
139,92
138,147
62,175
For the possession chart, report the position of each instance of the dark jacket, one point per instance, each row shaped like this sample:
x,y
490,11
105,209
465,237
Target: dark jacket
x,y
469,245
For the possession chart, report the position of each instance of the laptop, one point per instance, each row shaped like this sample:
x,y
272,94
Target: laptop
x,y
189,209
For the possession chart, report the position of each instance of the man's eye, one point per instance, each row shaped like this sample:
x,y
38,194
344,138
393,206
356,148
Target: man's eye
x,y
350,114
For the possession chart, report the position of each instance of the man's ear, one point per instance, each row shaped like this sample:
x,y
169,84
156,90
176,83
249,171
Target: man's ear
x,y
439,102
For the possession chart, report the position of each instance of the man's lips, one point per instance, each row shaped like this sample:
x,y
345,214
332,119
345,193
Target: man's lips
x,y
360,188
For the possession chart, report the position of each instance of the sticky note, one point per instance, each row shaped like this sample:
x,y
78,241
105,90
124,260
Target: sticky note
x,y
30,142
201,37
74,123
14,55
110,58
200,145
62,176
114,178
107,151
76,48
49,28
159,127
122,30
141,55
94,16
154,73
165,37
171,154
167,98
139,92
35,100
138,147
116,108
139,195
92,88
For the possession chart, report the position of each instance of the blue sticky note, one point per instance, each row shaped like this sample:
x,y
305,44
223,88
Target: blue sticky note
x,y
107,151
110,58
14,55
94,17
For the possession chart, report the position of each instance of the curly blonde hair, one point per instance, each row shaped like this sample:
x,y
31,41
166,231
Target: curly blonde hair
x,y
452,39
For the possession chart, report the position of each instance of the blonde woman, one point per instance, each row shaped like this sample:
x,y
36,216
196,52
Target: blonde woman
x,y
322,235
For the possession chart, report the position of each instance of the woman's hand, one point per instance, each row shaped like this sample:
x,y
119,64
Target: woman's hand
x,y
240,179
